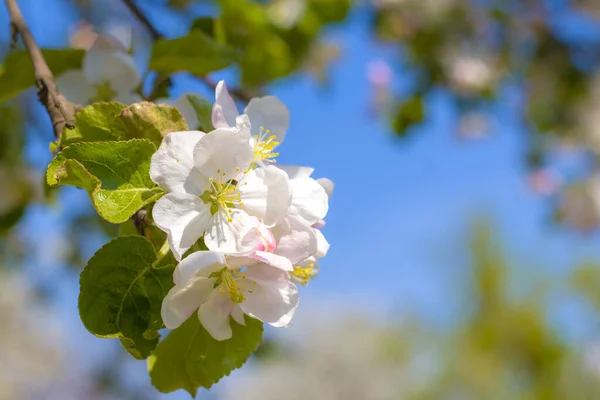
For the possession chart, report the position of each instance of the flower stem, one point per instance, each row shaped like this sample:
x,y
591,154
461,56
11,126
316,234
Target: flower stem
x,y
162,252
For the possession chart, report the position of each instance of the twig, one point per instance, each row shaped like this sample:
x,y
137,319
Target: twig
x,y
60,110
156,35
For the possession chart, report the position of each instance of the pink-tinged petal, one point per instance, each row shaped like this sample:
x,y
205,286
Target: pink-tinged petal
x,y
109,66
266,194
270,113
267,239
274,260
75,87
172,166
214,315
224,110
238,315
274,297
322,244
239,262
309,200
184,217
223,154
198,264
182,301
296,172
319,224
233,237
327,184
295,240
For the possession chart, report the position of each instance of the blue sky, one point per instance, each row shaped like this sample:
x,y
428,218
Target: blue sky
x,y
400,214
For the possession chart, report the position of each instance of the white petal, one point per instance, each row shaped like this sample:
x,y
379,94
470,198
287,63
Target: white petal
x,y
233,237
182,301
296,241
185,108
199,263
75,87
322,244
309,200
327,184
172,166
238,315
127,97
223,153
295,172
214,315
274,260
224,110
115,67
266,194
274,298
270,113
184,217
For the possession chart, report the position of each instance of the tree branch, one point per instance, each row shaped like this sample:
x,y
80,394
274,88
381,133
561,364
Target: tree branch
x,y
156,35
60,110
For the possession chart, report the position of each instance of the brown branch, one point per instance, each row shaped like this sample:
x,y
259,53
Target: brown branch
x,y
156,35
60,110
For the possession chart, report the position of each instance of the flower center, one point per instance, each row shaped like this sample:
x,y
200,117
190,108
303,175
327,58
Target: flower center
x,y
104,92
227,281
303,274
223,195
264,144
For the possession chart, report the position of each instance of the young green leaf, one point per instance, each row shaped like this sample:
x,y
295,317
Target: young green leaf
x,y
151,121
121,294
203,109
115,175
189,357
195,53
96,123
16,73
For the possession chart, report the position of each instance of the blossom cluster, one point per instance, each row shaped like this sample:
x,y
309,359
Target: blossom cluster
x,y
260,222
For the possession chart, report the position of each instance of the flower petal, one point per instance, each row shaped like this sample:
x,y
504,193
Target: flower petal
x,y
223,154
185,107
182,301
75,87
265,193
270,113
172,166
199,263
295,171
238,315
224,110
184,217
309,200
327,184
235,237
274,298
214,315
296,241
115,67
322,244
274,260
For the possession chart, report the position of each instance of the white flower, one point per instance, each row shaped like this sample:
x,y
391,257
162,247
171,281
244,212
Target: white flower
x,y
267,116
209,194
310,201
205,282
108,73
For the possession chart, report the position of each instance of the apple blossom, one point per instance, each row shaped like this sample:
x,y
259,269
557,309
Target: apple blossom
x,y
205,282
267,116
108,73
212,191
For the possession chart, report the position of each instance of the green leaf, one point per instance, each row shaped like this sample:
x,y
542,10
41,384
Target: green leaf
x,y
203,109
17,73
195,53
96,123
189,357
115,174
151,121
121,294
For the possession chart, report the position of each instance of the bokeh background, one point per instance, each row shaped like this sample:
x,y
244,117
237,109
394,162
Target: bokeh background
x,y
463,138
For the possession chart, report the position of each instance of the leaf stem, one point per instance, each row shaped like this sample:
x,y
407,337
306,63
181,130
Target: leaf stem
x,y
162,252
